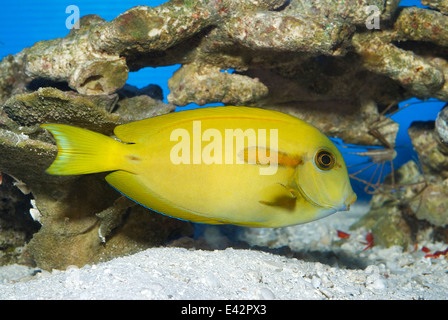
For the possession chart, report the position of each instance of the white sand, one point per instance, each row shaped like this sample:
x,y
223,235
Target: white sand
x,y
321,270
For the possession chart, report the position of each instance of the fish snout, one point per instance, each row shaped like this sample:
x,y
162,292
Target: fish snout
x,y
348,201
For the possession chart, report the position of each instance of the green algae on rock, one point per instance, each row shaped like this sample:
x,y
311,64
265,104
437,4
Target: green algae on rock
x,y
66,207
48,105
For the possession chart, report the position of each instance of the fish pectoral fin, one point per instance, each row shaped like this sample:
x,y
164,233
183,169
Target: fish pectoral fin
x,y
278,190
279,195
266,156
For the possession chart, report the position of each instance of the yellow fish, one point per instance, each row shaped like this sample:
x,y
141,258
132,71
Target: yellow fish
x,y
223,165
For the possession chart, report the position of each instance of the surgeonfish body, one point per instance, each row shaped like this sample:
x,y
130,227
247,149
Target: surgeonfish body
x,y
223,165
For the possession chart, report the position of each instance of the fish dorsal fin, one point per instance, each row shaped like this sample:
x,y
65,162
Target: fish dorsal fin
x,y
265,156
140,130
131,186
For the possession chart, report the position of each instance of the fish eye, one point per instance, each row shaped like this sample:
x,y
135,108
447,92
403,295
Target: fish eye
x,y
324,160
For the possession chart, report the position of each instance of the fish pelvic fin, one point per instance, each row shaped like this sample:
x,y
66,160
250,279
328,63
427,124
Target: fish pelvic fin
x,y
81,151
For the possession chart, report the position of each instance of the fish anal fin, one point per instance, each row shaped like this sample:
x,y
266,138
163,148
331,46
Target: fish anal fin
x,y
132,186
265,156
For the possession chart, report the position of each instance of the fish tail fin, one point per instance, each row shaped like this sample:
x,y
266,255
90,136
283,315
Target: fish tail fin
x,y
81,151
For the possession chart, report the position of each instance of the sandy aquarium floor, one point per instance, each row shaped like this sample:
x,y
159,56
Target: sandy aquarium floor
x,y
308,263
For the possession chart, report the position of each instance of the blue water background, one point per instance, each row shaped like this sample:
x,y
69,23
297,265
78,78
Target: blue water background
x,y
22,23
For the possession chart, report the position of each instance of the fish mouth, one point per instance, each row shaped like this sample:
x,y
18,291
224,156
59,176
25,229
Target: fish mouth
x,y
348,201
